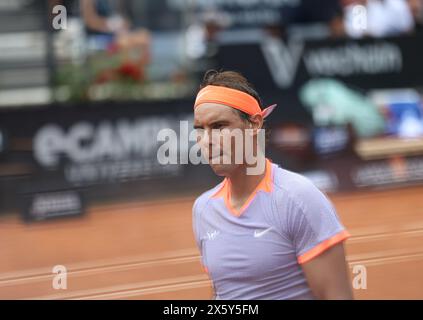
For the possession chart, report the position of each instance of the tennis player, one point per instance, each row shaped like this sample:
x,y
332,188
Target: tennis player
x,y
271,235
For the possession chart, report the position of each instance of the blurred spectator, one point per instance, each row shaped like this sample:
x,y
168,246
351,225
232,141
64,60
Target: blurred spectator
x,y
377,18
325,17
107,24
312,11
202,34
416,7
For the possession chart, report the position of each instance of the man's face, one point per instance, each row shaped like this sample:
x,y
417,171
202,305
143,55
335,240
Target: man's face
x,y
215,123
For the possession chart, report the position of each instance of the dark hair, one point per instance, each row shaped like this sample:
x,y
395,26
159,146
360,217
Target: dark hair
x,y
233,80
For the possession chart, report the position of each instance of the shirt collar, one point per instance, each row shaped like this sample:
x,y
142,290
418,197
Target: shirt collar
x,y
264,185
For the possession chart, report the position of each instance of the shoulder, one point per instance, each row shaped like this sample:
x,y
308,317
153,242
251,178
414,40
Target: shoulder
x,y
293,184
299,192
201,201
299,203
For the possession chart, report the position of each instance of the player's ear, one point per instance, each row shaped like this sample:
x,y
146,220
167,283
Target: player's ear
x,y
256,122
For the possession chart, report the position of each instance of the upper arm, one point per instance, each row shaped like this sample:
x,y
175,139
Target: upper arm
x,y
314,224
91,18
318,236
327,274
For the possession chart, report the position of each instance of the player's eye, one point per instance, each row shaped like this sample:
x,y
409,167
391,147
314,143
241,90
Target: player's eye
x,y
219,125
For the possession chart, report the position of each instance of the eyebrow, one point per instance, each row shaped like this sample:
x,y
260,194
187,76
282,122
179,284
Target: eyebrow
x,y
219,121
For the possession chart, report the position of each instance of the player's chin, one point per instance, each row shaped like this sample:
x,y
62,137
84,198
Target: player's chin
x,y
221,169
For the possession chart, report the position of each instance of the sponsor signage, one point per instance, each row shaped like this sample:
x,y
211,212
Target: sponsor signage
x,y
104,152
40,206
284,65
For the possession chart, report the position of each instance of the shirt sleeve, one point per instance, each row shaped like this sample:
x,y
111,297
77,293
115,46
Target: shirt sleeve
x,y
195,228
315,225
196,212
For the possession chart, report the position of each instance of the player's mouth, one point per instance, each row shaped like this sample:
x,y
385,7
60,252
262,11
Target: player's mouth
x,y
213,157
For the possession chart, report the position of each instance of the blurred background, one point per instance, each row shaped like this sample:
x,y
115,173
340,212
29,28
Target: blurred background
x,y
85,86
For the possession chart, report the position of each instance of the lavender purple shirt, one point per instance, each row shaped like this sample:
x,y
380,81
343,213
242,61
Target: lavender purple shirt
x,y
257,253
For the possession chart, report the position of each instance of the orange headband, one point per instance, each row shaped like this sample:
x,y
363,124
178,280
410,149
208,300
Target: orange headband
x,y
231,98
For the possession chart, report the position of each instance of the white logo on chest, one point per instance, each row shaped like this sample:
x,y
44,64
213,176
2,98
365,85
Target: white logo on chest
x,y
260,233
211,235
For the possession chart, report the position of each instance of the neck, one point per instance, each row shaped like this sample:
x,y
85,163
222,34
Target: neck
x,y
243,184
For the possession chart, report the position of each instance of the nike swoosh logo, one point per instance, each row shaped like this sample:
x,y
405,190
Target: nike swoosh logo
x,y
258,234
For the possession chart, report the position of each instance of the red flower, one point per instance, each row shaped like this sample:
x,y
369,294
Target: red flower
x,y
130,70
